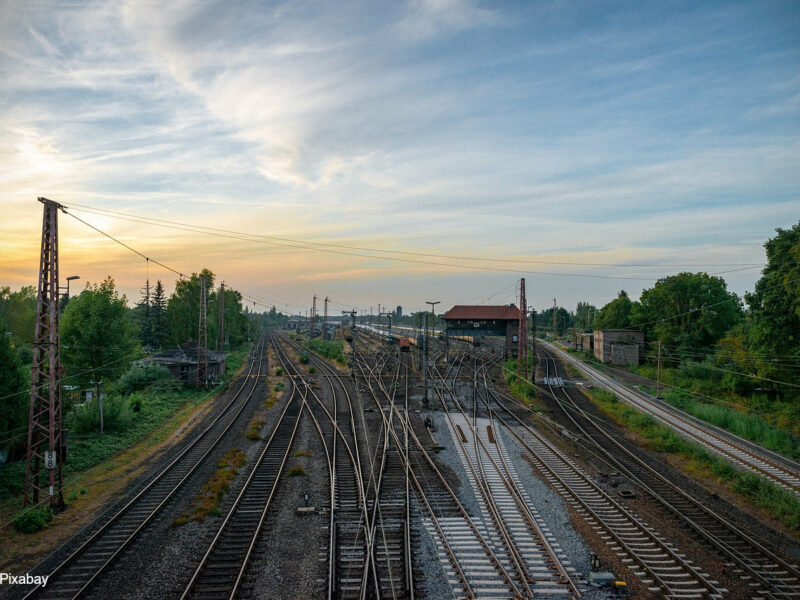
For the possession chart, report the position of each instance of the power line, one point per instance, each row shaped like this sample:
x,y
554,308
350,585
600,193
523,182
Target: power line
x,y
315,246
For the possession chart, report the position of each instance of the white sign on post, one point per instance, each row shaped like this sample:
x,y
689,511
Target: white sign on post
x,y
50,459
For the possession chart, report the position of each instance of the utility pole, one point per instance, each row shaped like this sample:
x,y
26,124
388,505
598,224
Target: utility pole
x,y
555,321
658,370
352,314
522,333
313,316
425,362
202,337
221,319
45,437
325,320
533,343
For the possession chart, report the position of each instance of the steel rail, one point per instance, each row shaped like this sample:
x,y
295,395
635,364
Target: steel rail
x,y
711,589
232,511
720,521
148,516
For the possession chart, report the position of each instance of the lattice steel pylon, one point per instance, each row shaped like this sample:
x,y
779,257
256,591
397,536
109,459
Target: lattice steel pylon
x,y
522,334
221,318
313,317
45,438
325,320
202,337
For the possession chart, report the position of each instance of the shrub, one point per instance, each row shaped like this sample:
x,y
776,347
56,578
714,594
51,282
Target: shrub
x,y
85,418
296,471
312,370
25,355
278,372
141,377
304,359
34,519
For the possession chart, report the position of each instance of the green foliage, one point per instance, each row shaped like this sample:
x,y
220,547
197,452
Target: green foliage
x,y
304,359
14,406
183,307
18,312
782,503
700,308
85,418
98,334
332,350
519,388
616,314
34,520
296,471
140,377
774,336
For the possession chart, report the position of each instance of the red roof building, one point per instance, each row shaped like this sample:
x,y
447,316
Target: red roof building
x,y
478,321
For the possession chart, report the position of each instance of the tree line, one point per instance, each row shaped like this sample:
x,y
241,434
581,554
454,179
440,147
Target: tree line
x,y
101,335
698,320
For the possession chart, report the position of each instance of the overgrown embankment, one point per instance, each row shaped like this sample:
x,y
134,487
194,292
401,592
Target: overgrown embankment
x,y
781,503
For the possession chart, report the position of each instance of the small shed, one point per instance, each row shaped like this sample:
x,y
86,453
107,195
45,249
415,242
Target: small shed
x,y
618,346
182,363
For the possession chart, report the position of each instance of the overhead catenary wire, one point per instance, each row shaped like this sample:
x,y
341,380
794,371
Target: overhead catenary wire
x,y
313,246
415,253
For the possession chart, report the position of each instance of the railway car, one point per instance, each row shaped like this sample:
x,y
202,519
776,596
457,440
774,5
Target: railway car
x,y
405,344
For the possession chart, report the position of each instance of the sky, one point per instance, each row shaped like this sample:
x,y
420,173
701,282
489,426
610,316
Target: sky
x,y
598,135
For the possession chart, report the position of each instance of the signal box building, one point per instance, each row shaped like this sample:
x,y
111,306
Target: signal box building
x,y
618,346
479,321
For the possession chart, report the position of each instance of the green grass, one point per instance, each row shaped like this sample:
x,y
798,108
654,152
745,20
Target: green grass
x,y
34,520
88,448
521,389
775,426
332,350
207,501
296,471
784,505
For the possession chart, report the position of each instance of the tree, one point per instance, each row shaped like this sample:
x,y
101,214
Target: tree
x,y
143,315
14,403
98,333
585,315
688,310
183,308
616,314
18,310
775,307
158,317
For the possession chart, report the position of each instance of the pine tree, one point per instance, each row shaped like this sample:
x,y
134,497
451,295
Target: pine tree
x,y
144,317
158,317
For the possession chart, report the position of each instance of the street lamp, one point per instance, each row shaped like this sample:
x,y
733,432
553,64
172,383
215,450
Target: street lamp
x,y
427,343
66,296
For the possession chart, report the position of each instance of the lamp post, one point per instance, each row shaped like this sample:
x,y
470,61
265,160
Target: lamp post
x,y
427,344
65,299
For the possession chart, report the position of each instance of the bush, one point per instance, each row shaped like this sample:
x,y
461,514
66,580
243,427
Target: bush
x,y
304,359
141,377
296,471
312,370
85,418
25,355
34,519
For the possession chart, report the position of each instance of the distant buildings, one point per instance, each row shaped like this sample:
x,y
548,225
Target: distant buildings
x,y
398,312
618,346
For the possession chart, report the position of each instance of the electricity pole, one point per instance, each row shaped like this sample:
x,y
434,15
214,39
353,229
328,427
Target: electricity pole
x,y
221,319
202,337
325,321
522,333
555,321
425,362
533,343
45,438
313,317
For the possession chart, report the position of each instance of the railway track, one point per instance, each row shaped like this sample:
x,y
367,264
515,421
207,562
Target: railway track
x,y
541,568
74,576
739,452
769,575
660,567
222,568
351,544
